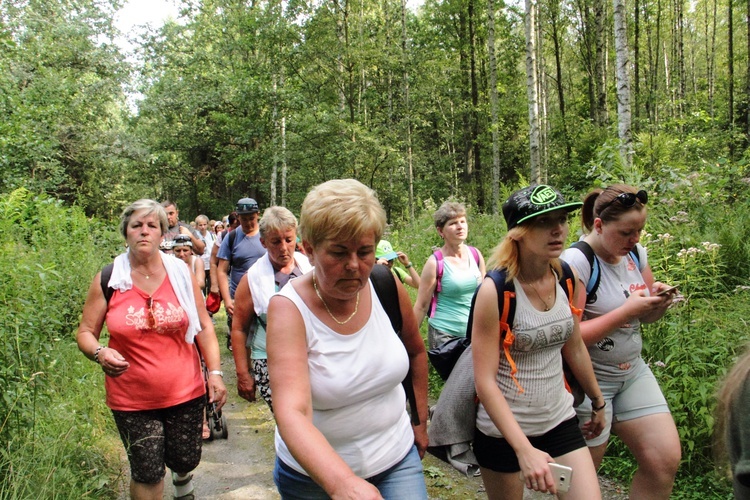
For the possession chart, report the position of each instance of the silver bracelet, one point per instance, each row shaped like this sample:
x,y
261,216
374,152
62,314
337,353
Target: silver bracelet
x,y
216,372
96,353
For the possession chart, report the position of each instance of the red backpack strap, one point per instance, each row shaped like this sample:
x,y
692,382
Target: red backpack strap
x,y
438,284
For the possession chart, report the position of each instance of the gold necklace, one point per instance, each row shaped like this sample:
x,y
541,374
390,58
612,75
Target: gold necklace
x,y
141,272
347,320
546,306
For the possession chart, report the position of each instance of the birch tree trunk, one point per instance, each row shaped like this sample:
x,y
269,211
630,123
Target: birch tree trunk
x,y
623,82
407,110
493,106
531,93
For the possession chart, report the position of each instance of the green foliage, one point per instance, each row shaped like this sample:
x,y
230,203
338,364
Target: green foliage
x,y
49,255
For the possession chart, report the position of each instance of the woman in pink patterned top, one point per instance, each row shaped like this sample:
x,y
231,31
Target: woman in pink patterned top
x,y
154,312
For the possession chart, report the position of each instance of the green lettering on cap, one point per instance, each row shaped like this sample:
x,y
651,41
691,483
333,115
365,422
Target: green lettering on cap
x,y
543,195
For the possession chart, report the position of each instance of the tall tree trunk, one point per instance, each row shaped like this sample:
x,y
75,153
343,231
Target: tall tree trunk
x,y
623,82
554,22
531,91
636,60
730,75
407,110
602,115
274,119
542,96
476,144
493,106
747,79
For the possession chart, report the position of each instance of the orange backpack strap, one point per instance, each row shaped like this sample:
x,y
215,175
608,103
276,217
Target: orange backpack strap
x,y
506,334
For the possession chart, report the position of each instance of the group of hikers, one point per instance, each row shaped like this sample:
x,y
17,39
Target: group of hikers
x,y
547,340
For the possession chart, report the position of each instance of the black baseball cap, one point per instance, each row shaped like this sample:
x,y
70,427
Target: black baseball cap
x,y
534,200
247,206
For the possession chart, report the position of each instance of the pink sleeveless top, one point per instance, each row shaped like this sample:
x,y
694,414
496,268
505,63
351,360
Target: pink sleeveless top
x,y
164,369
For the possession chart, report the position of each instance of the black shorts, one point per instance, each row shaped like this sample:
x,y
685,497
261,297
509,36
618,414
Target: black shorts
x,y
169,436
497,455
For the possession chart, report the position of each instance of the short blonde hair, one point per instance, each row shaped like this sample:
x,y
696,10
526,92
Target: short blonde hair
x,y
447,211
341,209
276,219
151,207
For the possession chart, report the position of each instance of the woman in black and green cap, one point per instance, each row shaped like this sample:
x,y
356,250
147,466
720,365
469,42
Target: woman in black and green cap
x,y
526,420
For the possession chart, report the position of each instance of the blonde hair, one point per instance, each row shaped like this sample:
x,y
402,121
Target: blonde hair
x,y
505,255
341,209
726,395
151,207
276,219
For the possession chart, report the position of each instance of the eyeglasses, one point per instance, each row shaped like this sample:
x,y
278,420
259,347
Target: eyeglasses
x,y
627,200
150,318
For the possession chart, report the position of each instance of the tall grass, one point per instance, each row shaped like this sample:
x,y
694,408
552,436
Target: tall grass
x,y
51,424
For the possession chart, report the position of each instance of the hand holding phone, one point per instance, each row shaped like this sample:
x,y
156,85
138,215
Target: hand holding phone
x,y
667,291
562,474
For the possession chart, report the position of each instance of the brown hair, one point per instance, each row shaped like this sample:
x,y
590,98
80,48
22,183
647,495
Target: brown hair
x,y
599,204
447,211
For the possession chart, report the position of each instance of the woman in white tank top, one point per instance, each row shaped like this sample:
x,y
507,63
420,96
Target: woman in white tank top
x,y
336,365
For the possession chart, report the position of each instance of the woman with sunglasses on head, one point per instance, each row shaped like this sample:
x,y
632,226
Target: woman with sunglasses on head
x,y
627,295
154,312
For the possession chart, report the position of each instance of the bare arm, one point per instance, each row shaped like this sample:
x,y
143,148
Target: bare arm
x,y
417,366
217,392
292,400
244,312
92,320
638,305
223,276
198,245
200,273
427,285
486,347
213,265
413,278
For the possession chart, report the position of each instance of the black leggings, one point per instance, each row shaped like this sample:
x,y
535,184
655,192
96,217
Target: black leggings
x,y
153,438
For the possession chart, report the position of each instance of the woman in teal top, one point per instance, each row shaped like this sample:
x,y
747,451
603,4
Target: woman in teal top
x,y
462,270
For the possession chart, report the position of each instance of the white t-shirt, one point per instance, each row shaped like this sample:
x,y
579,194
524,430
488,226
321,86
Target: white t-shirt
x,y
358,402
540,336
617,282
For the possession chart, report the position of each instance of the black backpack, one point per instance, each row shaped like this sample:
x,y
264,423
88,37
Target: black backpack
x,y
385,288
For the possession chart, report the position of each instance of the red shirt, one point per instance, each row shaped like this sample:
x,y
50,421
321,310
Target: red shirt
x,y
164,369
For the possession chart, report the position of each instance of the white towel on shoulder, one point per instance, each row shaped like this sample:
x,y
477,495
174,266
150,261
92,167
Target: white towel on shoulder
x,y
179,276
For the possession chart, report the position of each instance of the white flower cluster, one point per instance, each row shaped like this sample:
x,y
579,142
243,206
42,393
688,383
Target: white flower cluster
x,y
680,217
692,251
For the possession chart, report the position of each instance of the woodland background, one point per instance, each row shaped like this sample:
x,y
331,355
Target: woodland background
x,y
460,98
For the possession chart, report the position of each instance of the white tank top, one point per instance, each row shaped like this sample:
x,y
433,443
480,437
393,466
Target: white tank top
x,y
358,402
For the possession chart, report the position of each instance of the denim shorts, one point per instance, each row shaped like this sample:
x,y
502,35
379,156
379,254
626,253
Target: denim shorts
x,y
403,480
636,397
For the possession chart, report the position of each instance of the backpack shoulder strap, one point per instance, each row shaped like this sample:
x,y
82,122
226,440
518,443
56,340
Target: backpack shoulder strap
x,y
568,283
106,275
475,253
635,253
439,263
386,290
593,285
506,306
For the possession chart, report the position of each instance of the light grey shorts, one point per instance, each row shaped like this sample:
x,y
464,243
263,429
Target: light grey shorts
x,y
636,397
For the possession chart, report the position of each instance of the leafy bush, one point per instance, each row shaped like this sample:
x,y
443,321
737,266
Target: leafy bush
x,y
49,256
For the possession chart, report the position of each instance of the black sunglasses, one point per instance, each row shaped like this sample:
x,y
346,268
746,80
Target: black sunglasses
x,y
627,200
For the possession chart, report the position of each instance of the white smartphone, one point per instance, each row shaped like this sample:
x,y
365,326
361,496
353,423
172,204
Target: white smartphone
x,y
666,291
562,474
